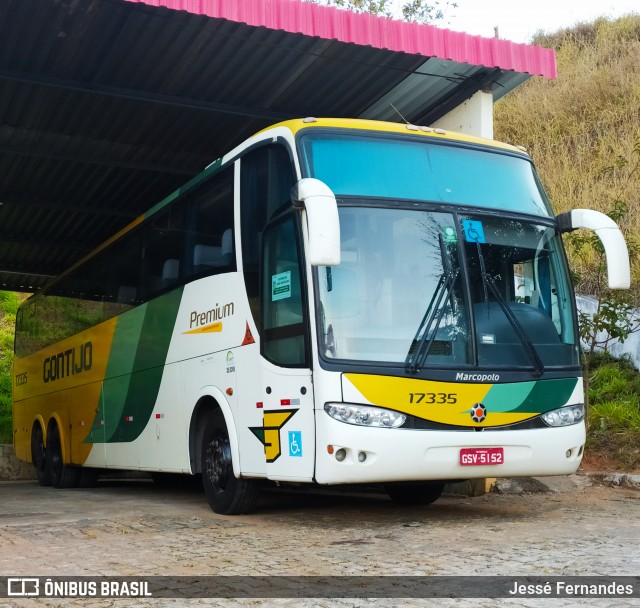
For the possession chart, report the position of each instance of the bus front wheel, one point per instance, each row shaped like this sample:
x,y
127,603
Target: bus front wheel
x,y
225,493
414,493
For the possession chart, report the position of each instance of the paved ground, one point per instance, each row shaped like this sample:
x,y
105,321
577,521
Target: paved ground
x,y
136,528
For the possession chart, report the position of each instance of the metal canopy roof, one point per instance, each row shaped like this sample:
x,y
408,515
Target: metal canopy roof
x,y
106,106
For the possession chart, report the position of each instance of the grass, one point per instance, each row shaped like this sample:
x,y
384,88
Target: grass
x,y
614,411
9,303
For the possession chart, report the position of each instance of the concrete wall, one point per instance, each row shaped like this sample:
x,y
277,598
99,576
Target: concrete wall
x,y
474,116
629,348
12,469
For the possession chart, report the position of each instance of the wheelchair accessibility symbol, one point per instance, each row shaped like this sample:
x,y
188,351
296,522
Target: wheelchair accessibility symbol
x,y
295,443
473,231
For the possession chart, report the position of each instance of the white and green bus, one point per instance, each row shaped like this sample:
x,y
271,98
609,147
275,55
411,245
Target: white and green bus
x,y
332,302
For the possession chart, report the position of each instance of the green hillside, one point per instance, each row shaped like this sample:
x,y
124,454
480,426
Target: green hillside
x,y
583,132
583,129
8,306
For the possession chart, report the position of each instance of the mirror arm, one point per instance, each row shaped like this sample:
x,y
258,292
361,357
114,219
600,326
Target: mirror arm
x,y
615,247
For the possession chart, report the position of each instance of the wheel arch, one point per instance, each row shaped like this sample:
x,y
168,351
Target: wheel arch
x,y
210,401
39,421
43,427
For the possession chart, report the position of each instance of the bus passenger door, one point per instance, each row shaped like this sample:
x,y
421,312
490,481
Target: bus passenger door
x,y
288,417
276,400
273,265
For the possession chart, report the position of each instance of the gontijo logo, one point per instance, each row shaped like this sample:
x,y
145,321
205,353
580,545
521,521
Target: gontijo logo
x,y
68,363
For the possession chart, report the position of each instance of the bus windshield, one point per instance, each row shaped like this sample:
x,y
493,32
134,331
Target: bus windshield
x,y
417,169
421,287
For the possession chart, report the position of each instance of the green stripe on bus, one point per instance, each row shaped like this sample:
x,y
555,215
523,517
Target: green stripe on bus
x,y
148,366
548,395
134,371
506,397
534,397
118,374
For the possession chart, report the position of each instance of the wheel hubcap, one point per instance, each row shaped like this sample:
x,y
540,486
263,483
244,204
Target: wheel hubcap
x,y
218,462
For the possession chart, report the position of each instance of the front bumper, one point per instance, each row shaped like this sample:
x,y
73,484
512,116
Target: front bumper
x,y
420,455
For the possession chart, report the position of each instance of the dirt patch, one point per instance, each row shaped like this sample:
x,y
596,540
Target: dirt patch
x,y
607,461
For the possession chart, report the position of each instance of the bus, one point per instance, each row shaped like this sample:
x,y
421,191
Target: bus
x,y
332,302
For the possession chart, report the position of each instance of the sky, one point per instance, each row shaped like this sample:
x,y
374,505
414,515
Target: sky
x,y
519,20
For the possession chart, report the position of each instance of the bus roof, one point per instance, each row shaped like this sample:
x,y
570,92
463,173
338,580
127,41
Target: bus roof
x,y
298,125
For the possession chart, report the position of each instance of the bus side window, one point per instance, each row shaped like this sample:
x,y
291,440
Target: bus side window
x,y
283,320
267,176
163,239
209,244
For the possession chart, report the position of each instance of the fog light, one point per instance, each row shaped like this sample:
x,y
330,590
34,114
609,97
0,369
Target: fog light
x,y
568,453
361,456
341,454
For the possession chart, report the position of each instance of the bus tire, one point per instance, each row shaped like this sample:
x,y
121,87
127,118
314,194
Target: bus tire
x,y
226,494
39,455
61,475
415,494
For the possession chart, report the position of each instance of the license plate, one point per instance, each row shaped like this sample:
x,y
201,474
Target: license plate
x,y
475,457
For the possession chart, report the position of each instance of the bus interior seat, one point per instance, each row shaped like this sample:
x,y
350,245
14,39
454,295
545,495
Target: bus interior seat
x,y
226,247
205,256
170,270
534,298
212,256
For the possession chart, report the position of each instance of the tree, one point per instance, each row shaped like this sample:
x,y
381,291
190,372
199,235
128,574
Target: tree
x,y
417,11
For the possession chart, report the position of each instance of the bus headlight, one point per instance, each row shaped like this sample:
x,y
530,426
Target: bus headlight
x,y
365,415
570,414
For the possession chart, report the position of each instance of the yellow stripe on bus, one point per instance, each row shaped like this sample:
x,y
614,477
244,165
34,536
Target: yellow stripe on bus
x,y
442,402
206,329
63,381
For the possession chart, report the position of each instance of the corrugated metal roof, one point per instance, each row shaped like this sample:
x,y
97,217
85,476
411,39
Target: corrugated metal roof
x,y
365,29
106,106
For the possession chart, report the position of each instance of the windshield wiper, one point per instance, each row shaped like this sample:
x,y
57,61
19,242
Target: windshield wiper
x,y
421,344
487,281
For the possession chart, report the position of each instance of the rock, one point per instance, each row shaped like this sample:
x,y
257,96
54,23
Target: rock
x,y
12,469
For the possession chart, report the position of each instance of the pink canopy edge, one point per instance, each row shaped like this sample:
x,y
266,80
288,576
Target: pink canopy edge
x,y
330,23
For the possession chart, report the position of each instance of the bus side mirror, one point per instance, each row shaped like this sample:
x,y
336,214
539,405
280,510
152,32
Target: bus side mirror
x,y
615,248
323,224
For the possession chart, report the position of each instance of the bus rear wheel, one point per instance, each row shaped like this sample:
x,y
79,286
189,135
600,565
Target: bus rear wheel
x,y
61,475
415,494
225,493
39,455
